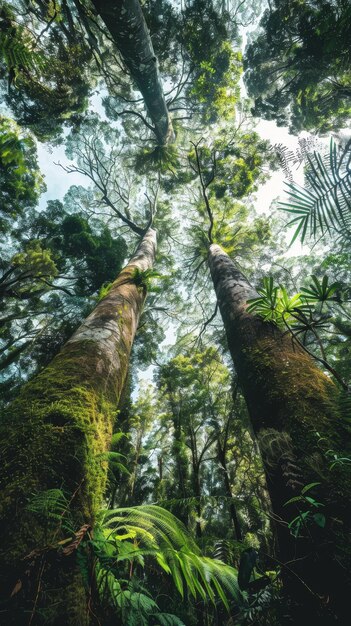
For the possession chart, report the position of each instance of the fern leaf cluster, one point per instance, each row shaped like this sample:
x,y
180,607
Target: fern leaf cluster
x,y
143,531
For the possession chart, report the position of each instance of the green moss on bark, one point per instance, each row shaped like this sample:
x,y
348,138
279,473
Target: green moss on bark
x,y
293,407
293,393
52,437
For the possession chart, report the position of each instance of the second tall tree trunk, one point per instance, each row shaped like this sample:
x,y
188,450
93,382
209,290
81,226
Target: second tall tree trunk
x,y
292,405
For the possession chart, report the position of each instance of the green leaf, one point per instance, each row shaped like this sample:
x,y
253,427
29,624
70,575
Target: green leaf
x,y
116,438
313,502
320,519
308,487
294,499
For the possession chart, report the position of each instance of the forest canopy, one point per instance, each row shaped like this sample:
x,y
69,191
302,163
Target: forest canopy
x,y
175,321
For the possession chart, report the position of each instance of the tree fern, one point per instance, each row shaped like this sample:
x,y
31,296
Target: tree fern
x,y
324,204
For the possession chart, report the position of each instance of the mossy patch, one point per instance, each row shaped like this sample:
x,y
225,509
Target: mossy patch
x,y
52,437
293,393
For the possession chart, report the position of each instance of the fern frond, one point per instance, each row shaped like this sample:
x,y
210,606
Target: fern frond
x,y
52,502
52,506
18,51
176,552
114,461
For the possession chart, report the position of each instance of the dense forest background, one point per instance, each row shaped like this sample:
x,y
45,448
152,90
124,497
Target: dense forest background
x,y
175,321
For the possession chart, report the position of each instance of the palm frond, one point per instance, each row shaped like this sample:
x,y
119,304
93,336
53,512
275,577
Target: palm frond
x,y
324,204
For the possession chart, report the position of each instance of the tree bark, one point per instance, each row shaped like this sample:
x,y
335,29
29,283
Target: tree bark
x,y
55,436
126,24
292,405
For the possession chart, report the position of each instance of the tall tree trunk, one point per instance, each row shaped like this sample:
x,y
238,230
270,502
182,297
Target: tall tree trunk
x,y
126,24
54,436
292,405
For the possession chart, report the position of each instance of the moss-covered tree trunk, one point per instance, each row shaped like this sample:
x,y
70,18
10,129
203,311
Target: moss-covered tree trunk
x,y
126,24
292,405
55,436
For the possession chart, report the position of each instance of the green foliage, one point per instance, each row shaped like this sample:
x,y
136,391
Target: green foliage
x,y
35,266
264,605
114,461
144,279
274,303
216,88
47,77
309,316
18,49
336,459
299,525
103,254
104,291
163,159
132,602
21,182
232,230
203,436
125,539
298,65
51,264
235,164
188,446
321,291
156,532
215,68
324,205
97,257
303,312
28,273
53,506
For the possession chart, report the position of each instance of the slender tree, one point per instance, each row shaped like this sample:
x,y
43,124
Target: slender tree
x,y
54,436
221,445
